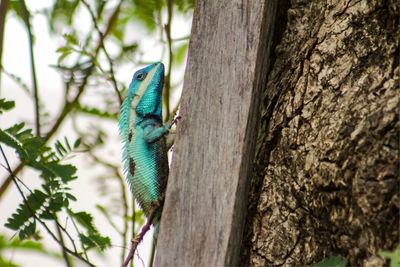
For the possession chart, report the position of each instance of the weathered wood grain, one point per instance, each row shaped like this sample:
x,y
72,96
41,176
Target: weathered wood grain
x,y
205,204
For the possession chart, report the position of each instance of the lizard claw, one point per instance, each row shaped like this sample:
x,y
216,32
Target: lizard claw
x,y
177,118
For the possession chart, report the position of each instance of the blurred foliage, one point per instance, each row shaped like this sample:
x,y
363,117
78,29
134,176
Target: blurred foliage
x,y
334,261
91,52
18,245
393,257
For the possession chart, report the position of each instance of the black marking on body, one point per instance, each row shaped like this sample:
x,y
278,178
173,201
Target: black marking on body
x,y
130,136
132,166
153,117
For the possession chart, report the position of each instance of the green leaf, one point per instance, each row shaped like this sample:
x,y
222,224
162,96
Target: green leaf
x,y
28,231
92,238
55,169
63,56
85,219
11,141
63,49
63,11
72,39
184,5
7,263
28,147
333,261
72,197
95,240
26,245
6,105
67,144
23,219
144,11
16,7
77,143
60,148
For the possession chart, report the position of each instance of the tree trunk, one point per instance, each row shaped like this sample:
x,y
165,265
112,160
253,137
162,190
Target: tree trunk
x,y
205,206
326,172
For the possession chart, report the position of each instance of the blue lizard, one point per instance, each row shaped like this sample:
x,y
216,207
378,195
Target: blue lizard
x,y
143,134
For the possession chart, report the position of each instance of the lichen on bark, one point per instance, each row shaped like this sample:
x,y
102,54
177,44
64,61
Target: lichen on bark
x,y
326,172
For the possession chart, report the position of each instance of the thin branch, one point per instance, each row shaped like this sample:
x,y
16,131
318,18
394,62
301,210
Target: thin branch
x,y
133,221
68,235
26,17
145,229
170,59
153,253
3,13
68,104
33,214
179,39
18,80
125,214
64,252
79,233
9,179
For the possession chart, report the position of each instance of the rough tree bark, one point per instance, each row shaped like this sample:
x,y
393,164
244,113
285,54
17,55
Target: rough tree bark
x,y
326,173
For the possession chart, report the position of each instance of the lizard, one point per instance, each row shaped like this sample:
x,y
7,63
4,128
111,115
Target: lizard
x,y
144,144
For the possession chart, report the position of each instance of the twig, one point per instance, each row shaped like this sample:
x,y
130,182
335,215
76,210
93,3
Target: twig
x,y
94,20
68,235
145,229
26,17
64,252
152,254
79,233
34,215
138,239
133,221
18,80
170,59
3,13
68,105
125,214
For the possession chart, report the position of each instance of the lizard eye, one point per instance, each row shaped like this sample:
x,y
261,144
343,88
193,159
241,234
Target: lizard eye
x,y
141,76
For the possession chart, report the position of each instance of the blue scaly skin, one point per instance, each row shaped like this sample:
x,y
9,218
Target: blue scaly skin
x,y
143,134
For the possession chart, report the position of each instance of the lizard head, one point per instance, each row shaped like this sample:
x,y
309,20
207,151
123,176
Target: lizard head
x,y
147,84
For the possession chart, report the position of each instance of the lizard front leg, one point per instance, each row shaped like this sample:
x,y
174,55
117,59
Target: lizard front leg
x,y
153,134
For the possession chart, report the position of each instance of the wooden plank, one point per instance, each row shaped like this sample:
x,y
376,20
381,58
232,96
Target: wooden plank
x,y
205,204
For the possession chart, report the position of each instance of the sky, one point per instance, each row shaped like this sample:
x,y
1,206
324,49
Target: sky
x,y
16,60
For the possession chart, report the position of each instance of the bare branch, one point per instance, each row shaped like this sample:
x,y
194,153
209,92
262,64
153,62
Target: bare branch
x,y
64,252
167,28
145,229
27,17
3,13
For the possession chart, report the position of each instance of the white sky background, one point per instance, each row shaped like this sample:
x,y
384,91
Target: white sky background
x,y
16,60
